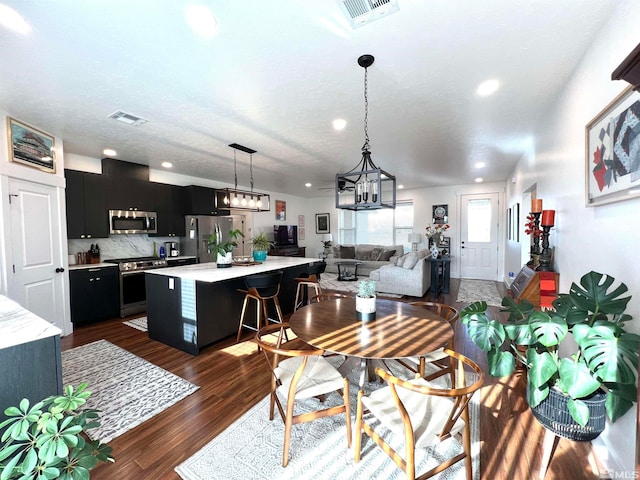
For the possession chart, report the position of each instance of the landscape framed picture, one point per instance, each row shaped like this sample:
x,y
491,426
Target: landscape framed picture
x,y
322,223
30,146
612,160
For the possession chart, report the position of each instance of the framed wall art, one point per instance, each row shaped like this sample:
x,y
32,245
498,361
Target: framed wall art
x,y
281,210
300,220
322,223
440,214
30,146
301,233
612,160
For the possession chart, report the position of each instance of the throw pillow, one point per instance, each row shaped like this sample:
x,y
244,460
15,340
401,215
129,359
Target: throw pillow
x,y
410,260
400,260
336,252
375,253
386,255
347,252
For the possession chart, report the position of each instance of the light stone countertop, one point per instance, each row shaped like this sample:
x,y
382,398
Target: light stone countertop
x,y
92,265
18,325
210,273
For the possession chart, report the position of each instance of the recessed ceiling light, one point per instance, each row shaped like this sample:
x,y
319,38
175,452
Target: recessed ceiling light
x,y
201,20
109,152
479,180
339,124
488,87
480,165
400,187
167,164
13,20
307,184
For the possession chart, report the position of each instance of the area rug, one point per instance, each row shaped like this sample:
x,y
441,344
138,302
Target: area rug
x,y
251,448
476,290
125,388
138,324
329,281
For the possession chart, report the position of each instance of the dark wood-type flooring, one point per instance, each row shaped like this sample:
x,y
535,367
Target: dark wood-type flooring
x,y
233,378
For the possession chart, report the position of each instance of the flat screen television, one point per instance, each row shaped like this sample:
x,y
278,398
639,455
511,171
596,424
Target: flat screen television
x,y
285,235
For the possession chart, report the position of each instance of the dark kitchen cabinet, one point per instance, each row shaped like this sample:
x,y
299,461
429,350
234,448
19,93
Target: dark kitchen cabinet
x,y
95,294
180,262
200,200
131,194
169,205
86,198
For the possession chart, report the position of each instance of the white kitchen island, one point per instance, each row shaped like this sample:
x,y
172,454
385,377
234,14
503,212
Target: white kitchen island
x,y
192,306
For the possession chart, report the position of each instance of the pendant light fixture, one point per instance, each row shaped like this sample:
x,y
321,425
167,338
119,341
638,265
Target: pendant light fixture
x,y
242,199
366,186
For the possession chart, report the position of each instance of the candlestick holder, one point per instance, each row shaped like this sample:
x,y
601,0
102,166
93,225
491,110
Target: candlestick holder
x,y
535,239
545,256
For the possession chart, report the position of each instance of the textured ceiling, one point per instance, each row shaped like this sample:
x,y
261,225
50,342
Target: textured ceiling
x,y
276,74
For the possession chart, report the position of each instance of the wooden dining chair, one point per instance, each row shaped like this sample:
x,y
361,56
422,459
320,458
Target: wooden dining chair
x,y
300,372
422,414
437,358
328,296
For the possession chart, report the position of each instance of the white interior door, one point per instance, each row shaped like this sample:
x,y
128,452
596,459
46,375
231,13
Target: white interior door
x,y
36,277
479,236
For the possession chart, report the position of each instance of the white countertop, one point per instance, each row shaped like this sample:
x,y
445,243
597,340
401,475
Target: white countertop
x,y
18,325
210,273
92,265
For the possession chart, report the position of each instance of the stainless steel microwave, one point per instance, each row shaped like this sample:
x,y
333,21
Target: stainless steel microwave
x,y
132,221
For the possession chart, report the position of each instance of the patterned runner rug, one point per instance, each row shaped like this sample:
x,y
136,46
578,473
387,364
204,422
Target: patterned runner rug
x,y
125,388
476,290
329,281
138,324
251,448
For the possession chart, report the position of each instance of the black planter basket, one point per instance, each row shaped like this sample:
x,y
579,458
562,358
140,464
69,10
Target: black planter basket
x,y
553,414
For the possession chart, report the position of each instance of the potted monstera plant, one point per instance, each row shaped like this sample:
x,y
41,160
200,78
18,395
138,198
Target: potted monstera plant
x,y
222,250
604,362
48,440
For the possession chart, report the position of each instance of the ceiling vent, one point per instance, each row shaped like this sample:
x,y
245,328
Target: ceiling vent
x,y
361,12
127,118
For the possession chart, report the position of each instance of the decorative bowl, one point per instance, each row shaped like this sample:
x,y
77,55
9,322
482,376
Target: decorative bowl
x,y
243,259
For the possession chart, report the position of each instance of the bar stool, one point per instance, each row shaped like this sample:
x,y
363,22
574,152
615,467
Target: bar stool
x,y
312,280
261,288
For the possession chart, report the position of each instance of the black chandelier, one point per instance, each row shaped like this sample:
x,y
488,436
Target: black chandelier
x,y
242,199
366,186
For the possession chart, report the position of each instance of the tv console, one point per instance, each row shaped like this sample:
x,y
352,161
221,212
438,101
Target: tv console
x,y
288,251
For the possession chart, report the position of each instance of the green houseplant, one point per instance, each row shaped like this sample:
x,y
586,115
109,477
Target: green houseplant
x,y
47,440
222,249
261,245
366,300
605,355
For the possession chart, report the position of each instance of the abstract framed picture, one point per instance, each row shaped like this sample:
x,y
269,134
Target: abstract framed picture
x,y
30,146
322,223
300,220
612,160
281,210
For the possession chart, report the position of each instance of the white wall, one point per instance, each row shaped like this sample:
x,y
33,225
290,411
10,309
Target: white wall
x,y
603,238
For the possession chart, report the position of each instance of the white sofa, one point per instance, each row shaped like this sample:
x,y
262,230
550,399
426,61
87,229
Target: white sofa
x,y
371,256
410,275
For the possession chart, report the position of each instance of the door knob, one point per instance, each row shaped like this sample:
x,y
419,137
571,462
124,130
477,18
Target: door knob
x,y
59,270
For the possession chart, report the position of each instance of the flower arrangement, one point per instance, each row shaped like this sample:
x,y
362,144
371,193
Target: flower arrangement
x,y
436,229
530,227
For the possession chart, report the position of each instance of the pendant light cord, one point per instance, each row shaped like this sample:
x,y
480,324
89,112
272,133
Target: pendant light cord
x,y
366,111
235,171
251,170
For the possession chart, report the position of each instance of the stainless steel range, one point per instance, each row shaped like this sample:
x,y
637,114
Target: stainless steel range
x,y
133,294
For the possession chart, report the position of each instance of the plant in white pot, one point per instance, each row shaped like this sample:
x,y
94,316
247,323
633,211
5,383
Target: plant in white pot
x,y
604,362
366,300
221,249
261,245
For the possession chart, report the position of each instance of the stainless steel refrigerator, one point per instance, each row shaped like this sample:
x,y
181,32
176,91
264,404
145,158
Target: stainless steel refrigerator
x,y
199,228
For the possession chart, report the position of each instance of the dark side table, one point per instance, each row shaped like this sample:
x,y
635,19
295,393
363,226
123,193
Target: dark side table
x,y
348,270
440,275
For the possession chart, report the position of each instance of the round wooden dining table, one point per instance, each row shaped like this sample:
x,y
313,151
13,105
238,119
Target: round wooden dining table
x,y
399,330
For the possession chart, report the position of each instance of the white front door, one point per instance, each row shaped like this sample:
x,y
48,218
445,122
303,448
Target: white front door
x,y
36,278
479,236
